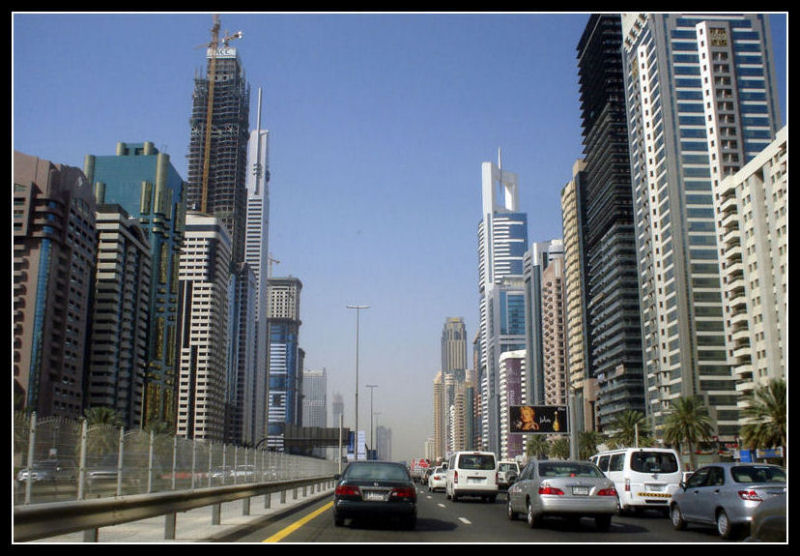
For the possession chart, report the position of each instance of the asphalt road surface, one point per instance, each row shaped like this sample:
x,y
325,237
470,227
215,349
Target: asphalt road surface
x,y
440,520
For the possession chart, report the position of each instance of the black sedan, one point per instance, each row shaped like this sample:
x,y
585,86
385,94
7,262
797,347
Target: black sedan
x,y
375,489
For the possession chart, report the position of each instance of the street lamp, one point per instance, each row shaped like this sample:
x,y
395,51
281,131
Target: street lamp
x,y
371,390
358,312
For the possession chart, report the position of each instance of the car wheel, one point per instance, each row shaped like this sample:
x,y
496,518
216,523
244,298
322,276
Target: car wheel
x,y
602,522
725,528
534,520
338,520
491,499
676,517
512,515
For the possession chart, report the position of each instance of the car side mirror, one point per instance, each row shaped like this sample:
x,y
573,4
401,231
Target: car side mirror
x,y
682,484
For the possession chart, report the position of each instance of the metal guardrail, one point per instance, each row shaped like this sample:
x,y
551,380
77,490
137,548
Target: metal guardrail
x,y
39,521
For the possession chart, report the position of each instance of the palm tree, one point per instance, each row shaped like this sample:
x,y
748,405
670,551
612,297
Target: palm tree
x,y
537,446
560,448
629,425
587,443
688,421
104,424
766,412
102,416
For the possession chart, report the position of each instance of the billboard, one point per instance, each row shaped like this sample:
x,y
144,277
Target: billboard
x,y
542,419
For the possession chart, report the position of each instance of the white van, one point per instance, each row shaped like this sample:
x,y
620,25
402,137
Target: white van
x,y
643,477
471,474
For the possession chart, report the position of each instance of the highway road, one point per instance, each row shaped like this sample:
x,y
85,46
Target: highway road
x,y
440,520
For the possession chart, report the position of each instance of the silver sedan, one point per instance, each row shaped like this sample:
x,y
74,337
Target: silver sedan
x,y
726,495
571,489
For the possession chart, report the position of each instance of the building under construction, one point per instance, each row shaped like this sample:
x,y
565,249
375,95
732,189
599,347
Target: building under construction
x,y
225,194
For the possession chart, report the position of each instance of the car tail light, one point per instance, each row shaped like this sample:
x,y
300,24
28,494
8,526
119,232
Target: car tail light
x,y
627,485
496,478
347,490
404,492
607,492
550,490
455,477
749,495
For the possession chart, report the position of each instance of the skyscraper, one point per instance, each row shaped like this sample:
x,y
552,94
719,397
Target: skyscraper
x,y
118,345
217,186
284,323
701,103
203,328
454,345
536,261
147,186
752,221
606,225
257,257
502,242
55,242
579,369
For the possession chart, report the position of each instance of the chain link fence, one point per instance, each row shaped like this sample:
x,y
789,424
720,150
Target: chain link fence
x,y
58,459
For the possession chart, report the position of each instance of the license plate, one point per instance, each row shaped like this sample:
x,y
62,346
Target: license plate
x,y
580,491
372,496
475,480
655,488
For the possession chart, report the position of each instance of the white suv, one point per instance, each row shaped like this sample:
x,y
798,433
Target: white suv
x,y
472,474
507,473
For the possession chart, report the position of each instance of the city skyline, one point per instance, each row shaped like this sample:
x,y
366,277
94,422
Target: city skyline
x,y
378,127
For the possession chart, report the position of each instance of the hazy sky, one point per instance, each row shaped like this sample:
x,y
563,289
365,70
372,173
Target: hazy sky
x,y
378,127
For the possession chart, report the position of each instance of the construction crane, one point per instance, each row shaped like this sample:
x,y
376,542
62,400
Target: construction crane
x,y
271,260
212,71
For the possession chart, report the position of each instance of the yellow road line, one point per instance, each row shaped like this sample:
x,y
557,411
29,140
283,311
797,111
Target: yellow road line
x,y
297,524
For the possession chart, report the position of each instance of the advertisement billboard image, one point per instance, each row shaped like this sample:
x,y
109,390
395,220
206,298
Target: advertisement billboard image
x,y
543,419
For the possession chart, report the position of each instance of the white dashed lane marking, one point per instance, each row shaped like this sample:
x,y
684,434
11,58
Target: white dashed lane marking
x,y
465,520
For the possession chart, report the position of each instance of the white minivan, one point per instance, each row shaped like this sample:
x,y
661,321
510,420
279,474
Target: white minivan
x,y
643,477
471,474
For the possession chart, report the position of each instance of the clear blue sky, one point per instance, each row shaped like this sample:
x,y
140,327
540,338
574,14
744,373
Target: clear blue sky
x,y
378,126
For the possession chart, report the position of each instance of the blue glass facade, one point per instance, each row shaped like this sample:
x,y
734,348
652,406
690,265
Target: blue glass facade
x,y
144,182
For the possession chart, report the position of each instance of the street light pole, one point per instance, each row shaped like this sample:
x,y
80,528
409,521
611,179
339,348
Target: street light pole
x,y
358,312
371,390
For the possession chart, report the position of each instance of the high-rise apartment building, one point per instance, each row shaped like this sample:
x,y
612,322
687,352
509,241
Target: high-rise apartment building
x,y
55,243
257,257
536,261
143,181
439,417
502,242
284,323
203,328
118,345
611,295
512,392
224,194
701,103
383,443
579,370
752,224
554,346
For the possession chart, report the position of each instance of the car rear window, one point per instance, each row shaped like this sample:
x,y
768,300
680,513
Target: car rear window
x,y
560,469
654,462
476,461
758,474
376,471
507,467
